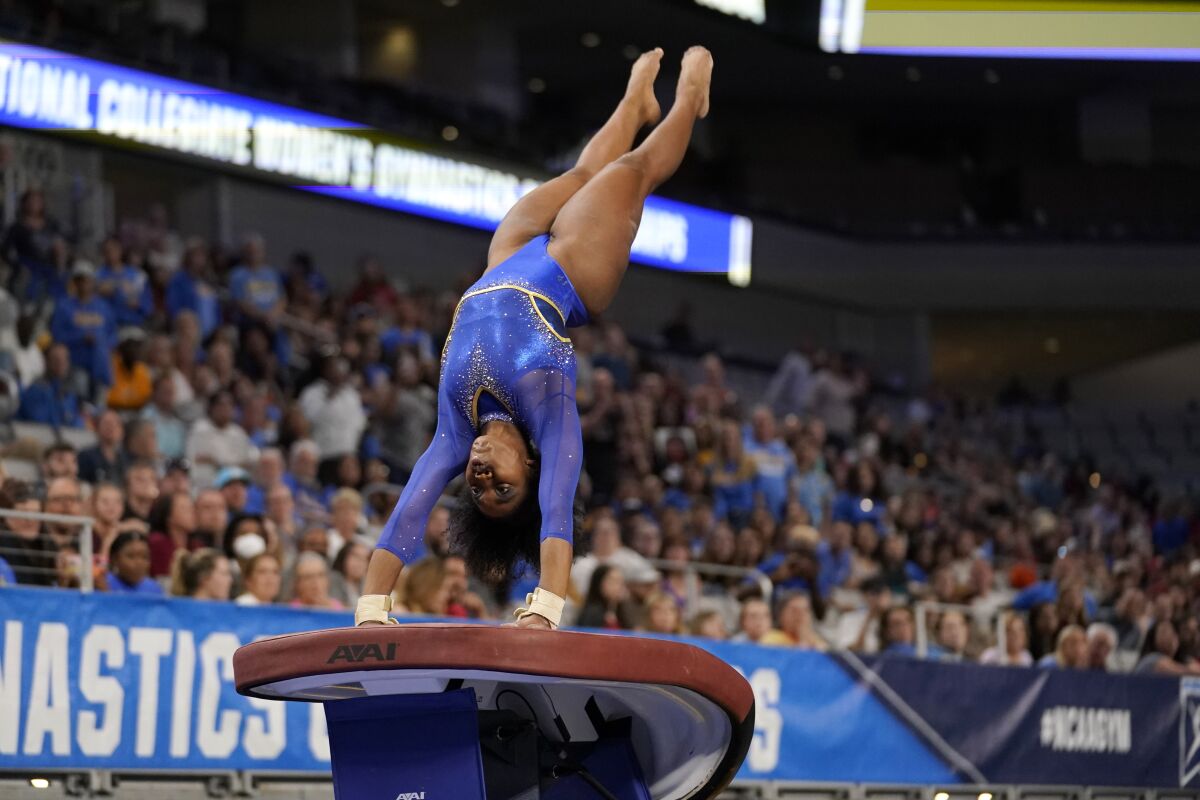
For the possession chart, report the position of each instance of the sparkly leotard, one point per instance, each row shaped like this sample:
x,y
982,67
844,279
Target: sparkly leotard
x,y
507,357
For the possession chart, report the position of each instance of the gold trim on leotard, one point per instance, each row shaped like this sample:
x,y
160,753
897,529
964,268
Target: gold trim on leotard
x,y
475,405
533,297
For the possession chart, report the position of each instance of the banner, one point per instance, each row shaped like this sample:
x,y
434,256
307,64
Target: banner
x,y
126,682
49,90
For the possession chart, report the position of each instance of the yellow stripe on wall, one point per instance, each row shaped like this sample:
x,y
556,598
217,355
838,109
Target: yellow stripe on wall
x,y
1074,6
1049,30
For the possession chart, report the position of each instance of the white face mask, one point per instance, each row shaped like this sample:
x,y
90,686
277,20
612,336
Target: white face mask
x,y
248,545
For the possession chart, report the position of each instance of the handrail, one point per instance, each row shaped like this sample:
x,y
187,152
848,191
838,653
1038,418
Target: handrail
x,y
86,585
719,570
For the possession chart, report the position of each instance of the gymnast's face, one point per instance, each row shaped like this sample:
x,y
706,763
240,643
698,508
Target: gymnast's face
x,y
498,472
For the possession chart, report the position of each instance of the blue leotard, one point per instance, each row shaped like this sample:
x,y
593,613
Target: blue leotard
x,y
507,357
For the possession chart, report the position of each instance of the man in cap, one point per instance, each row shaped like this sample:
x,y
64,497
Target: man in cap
x,y
233,483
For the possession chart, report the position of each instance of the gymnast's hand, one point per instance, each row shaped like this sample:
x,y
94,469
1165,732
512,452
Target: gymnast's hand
x,y
533,621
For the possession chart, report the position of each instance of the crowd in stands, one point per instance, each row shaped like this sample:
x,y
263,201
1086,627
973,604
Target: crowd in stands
x,y
252,428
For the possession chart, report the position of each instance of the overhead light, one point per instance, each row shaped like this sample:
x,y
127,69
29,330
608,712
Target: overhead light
x,y
985,796
1052,345
537,85
590,39
449,133
991,76
942,796
836,73
631,52
914,75
449,3
39,783
867,505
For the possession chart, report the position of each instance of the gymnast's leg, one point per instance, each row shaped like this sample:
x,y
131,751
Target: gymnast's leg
x,y
533,214
593,233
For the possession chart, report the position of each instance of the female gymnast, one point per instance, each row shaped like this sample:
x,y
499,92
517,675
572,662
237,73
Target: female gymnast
x,y
506,399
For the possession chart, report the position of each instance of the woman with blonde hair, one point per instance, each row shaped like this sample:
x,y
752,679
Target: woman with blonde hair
x,y
425,590
662,615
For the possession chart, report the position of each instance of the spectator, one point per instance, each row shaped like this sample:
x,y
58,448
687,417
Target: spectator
x,y
606,550
334,409
141,490
53,398
463,602
281,512
267,475
425,589
1015,653
108,507
104,462
170,431
345,507
708,624
732,476
662,615
774,464
28,552
1070,650
123,286
256,287
349,571
606,604
217,441
63,496
1160,652
301,478
172,521
84,323
407,335
754,622
234,483
834,391
953,632
812,485
202,575
190,289
129,565
33,242
245,537
212,517
1044,617
898,635
373,288
404,415
795,626
132,384
1101,642
59,460
262,580
141,444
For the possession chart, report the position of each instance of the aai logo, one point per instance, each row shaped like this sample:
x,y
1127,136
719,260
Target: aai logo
x,y
1189,730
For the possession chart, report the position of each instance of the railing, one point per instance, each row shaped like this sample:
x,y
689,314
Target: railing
x,y
86,584
716,570
923,609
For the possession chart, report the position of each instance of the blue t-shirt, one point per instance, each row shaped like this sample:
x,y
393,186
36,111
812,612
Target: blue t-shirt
x,y
813,490
1170,535
130,300
416,340
776,466
186,293
260,287
1047,592
835,568
74,322
50,402
146,586
853,508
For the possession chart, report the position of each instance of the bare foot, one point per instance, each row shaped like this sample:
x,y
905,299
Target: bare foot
x,y
695,76
641,86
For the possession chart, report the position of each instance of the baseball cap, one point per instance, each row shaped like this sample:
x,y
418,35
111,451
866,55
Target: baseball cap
x,y
229,475
83,269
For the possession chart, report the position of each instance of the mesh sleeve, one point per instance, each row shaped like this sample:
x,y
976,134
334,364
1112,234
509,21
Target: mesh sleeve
x,y
445,457
549,399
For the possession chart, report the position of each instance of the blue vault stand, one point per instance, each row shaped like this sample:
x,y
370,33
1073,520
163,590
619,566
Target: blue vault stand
x,y
427,747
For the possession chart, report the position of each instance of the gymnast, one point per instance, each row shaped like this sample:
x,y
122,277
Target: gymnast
x,y
506,398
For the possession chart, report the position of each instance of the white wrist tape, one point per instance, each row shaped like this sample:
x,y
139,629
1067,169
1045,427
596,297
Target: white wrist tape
x,y
545,604
374,608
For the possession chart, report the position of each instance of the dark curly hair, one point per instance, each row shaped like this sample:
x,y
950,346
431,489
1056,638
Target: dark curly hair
x,y
493,547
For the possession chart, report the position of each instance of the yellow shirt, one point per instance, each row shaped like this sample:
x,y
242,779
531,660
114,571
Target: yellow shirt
x,y
131,388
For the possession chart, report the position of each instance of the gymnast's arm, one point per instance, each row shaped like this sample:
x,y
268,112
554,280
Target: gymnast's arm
x,y
560,442
445,457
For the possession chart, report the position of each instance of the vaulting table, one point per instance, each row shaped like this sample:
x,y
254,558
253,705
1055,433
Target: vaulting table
x,y
468,712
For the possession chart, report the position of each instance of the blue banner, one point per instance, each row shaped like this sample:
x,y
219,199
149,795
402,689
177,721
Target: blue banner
x,y
132,683
49,90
